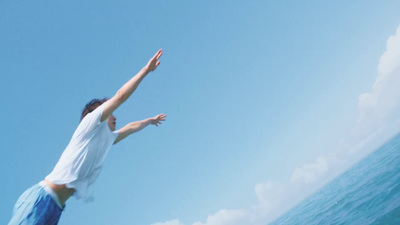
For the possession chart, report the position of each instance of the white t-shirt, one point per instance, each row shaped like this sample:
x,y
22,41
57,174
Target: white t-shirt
x,y
80,164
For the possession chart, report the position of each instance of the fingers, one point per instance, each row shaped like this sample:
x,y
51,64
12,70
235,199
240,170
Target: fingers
x,y
161,117
158,54
153,63
158,119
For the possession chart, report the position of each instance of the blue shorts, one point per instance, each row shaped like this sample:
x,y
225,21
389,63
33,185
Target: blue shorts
x,y
35,206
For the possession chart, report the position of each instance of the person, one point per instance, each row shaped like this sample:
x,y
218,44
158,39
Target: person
x,y
80,164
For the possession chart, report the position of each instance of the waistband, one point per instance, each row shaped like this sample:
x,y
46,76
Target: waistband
x,y
52,194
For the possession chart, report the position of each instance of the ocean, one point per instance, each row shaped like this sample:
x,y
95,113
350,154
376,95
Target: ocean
x,y
367,193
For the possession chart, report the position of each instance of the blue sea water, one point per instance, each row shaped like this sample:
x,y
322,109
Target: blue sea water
x,y
368,193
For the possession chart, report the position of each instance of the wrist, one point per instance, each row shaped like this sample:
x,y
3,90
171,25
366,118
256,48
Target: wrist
x,y
147,121
145,70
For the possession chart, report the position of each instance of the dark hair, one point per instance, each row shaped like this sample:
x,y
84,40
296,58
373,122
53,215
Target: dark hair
x,y
91,106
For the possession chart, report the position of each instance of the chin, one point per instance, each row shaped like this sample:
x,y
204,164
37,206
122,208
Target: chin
x,y
112,127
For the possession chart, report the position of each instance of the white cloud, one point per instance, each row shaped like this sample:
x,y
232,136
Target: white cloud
x,y
172,222
270,196
389,61
379,107
379,120
269,193
225,216
310,172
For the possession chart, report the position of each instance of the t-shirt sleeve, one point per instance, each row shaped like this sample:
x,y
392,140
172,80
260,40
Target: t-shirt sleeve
x,y
96,114
115,134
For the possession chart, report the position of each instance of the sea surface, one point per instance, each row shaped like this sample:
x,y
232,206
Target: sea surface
x,y
368,193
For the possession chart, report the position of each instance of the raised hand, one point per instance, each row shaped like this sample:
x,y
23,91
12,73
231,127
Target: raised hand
x,y
154,61
157,119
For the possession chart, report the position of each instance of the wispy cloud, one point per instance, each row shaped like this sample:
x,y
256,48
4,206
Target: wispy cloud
x,y
379,119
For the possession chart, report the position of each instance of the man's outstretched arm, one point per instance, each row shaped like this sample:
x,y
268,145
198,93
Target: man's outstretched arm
x,y
138,125
129,87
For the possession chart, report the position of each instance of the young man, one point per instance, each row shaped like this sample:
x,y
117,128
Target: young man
x,y
81,162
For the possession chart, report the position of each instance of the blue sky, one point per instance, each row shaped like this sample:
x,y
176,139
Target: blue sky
x,y
253,91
